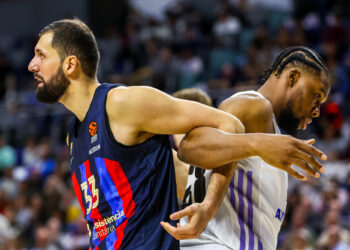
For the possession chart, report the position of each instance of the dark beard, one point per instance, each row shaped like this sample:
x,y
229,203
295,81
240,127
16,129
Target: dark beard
x,y
53,89
288,122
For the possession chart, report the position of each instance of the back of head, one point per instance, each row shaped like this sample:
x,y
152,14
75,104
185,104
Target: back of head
x,y
297,56
194,94
74,37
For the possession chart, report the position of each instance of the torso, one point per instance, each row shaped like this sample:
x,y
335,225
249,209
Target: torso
x,y
253,208
124,191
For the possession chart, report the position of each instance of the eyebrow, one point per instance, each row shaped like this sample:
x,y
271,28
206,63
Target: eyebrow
x,y
39,50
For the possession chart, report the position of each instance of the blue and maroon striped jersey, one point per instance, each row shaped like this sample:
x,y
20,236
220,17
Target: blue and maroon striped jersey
x,y
124,191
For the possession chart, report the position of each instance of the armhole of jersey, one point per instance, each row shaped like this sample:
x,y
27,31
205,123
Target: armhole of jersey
x,y
106,120
111,136
256,93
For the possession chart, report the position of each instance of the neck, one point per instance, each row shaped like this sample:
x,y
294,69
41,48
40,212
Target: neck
x,y
273,92
78,97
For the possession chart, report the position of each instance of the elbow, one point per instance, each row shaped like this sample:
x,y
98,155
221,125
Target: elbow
x,y
190,154
183,151
233,126
238,127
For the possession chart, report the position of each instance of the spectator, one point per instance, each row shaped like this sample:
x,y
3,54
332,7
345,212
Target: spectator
x,y
7,155
222,51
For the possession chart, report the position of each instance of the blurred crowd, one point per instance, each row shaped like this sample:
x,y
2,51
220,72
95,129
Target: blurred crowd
x,y
221,53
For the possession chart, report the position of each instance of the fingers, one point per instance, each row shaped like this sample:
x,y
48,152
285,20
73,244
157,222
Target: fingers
x,y
311,150
292,172
310,141
170,229
303,165
182,213
181,232
310,160
189,231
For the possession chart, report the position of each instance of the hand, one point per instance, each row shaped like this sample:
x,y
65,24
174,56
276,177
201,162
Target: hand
x,y
198,217
282,151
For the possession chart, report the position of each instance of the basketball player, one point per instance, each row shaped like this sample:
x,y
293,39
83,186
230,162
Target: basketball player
x,y
253,207
121,160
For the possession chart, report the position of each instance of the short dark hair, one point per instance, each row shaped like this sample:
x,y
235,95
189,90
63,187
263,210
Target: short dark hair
x,y
299,56
194,94
74,37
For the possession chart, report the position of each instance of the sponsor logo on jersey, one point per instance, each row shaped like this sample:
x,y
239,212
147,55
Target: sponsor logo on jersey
x,y
108,220
103,232
94,149
106,225
93,131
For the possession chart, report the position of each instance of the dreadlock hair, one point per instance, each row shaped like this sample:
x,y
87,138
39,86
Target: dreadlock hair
x,y
297,56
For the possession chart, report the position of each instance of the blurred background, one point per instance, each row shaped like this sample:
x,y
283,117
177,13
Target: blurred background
x,y
220,46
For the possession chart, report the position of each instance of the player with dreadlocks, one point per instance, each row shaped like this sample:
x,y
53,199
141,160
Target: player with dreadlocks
x,y
254,201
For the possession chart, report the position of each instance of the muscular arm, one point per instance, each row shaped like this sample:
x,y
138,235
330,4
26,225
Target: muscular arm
x,y
278,150
200,214
216,148
228,148
218,184
181,174
141,112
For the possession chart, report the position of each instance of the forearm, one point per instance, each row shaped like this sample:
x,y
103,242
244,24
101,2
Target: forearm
x,y
218,184
181,174
211,148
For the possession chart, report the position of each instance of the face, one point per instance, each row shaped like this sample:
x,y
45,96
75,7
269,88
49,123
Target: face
x,y
304,100
47,69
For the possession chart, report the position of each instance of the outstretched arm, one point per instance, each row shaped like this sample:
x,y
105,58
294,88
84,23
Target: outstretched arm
x,y
280,151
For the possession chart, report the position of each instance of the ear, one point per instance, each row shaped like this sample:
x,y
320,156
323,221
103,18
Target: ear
x,y
70,65
293,77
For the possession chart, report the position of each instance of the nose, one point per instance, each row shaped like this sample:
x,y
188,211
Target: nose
x,y
316,112
33,66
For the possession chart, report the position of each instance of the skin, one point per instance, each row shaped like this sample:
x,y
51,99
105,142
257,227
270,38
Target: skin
x,y
141,102
138,113
303,91
181,170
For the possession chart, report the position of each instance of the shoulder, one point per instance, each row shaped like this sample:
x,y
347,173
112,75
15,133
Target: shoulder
x,y
123,94
130,95
250,104
255,112
134,105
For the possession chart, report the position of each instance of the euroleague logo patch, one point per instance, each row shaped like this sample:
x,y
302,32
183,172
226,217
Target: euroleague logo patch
x,y
93,128
93,131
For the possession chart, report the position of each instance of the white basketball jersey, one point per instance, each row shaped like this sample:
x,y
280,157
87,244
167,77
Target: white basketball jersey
x,y
252,210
